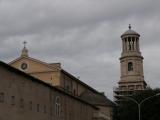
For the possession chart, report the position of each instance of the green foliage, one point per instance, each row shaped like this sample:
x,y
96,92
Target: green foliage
x,y
150,109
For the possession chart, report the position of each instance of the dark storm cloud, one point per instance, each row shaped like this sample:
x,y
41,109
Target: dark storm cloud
x,y
84,35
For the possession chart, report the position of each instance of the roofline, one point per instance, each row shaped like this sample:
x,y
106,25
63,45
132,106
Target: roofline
x,y
100,104
132,82
136,34
10,68
62,70
36,60
41,72
82,83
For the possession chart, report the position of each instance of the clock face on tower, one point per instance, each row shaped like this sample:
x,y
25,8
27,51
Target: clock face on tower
x,y
24,66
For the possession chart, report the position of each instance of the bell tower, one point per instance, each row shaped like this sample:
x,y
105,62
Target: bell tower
x,y
131,64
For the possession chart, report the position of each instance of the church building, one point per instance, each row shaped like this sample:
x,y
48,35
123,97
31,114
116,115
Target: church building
x,y
32,89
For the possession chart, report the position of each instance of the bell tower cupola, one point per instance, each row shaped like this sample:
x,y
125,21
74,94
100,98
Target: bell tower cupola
x,y
130,42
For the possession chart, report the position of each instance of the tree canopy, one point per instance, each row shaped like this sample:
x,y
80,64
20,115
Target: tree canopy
x,y
150,109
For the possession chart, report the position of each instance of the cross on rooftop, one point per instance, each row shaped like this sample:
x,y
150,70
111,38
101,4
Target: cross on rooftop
x,y
129,26
24,43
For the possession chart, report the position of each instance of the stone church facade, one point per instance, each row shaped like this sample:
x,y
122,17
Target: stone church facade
x,y
33,89
23,97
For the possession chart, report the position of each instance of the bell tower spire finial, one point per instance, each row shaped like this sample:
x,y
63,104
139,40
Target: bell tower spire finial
x,y
24,43
24,50
129,26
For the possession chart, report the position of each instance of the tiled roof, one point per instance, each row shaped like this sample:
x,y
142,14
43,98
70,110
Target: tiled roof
x,y
96,99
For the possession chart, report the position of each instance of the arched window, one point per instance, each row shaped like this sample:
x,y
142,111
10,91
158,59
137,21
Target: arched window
x,y
57,106
130,66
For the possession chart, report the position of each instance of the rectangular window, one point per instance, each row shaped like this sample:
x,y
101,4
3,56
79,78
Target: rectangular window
x,y
74,92
38,107
30,105
1,97
23,84
67,87
45,111
21,103
12,100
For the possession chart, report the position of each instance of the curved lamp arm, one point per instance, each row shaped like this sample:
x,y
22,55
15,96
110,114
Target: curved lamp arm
x,y
139,104
149,98
133,100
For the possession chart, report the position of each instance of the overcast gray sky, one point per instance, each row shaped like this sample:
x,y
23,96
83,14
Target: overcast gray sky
x,y
84,35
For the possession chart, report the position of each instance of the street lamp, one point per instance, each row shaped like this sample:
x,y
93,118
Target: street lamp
x,y
139,104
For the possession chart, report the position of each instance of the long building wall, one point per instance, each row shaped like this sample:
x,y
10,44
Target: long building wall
x,y
23,97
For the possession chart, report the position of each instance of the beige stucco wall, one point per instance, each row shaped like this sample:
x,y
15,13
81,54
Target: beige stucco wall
x,y
33,65
70,84
136,74
22,88
52,74
51,77
13,84
40,70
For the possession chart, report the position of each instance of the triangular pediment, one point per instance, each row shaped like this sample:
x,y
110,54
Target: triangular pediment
x,y
31,65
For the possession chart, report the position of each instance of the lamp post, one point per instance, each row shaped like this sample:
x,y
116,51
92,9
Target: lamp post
x,y
139,104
